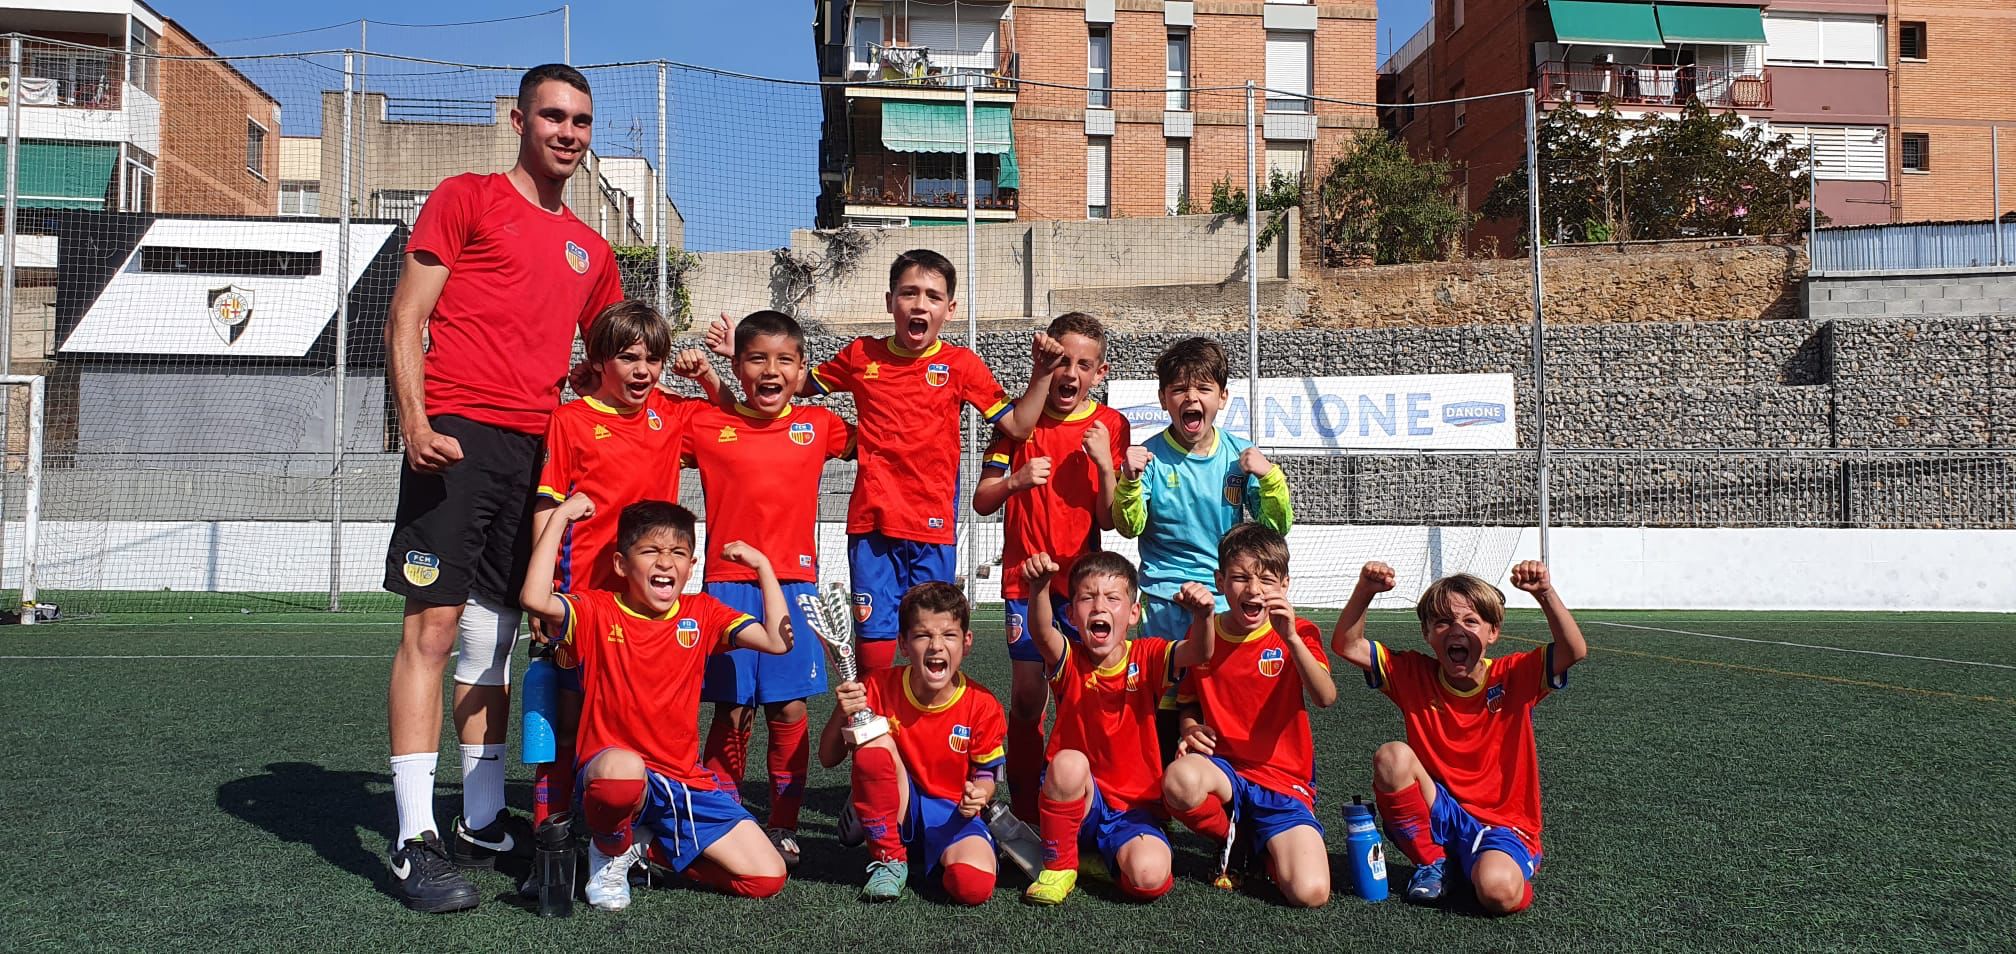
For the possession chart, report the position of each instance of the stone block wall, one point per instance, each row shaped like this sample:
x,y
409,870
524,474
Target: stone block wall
x,y
1962,292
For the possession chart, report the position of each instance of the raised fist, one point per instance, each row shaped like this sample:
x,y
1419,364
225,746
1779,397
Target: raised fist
x,y
1039,568
1099,445
1035,473
1196,598
1377,577
690,364
1138,459
1254,462
1531,576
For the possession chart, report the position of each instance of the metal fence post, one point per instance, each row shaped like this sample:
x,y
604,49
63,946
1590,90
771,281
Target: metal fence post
x,y
661,217
1812,207
342,344
971,464
7,280
1539,310
1252,275
1995,185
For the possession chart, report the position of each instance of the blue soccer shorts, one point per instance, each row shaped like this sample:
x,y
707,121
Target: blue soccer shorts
x,y
884,568
933,825
1464,837
683,820
1021,645
1107,829
745,677
1268,812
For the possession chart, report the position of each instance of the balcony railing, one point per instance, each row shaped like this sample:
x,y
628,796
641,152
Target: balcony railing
x,y
927,66
79,92
925,194
1647,85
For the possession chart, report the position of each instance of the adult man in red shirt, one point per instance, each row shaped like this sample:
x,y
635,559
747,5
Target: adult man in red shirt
x,y
498,274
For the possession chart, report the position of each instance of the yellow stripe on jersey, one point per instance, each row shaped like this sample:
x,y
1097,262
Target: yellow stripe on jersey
x,y
551,494
740,623
819,381
1377,674
990,758
996,410
997,460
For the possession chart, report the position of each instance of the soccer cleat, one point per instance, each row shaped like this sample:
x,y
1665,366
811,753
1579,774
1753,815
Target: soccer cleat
x,y
608,886
1051,887
1424,886
885,880
507,836
786,842
847,828
427,880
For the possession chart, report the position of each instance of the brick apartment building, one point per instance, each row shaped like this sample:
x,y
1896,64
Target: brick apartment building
x,y
1083,108
1953,63
1797,67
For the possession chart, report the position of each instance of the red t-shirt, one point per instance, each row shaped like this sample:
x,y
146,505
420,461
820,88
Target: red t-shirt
x,y
1061,517
1478,744
1251,695
617,458
907,408
941,747
1109,715
761,477
641,676
520,281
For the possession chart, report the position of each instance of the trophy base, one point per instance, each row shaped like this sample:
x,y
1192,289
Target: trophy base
x,y
865,731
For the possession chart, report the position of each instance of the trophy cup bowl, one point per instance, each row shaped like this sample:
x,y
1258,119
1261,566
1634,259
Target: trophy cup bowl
x,y
831,617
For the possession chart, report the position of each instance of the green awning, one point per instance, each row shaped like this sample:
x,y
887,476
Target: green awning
x,y
925,223
941,127
1688,23
1009,176
1605,23
62,175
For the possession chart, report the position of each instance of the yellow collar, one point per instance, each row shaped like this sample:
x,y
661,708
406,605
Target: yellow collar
x,y
1483,679
958,690
1126,653
1084,411
756,415
625,607
1202,450
902,352
1266,626
595,404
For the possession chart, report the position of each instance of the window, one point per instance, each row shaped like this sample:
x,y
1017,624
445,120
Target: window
x,y
1407,107
939,178
867,36
1098,156
229,261
1841,152
136,181
142,69
401,204
1915,152
1455,14
1290,159
1288,72
1459,111
1178,70
255,148
1099,68
300,197
1812,40
1176,172
1911,40
82,78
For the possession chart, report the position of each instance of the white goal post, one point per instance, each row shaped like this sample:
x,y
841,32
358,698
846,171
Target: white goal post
x,y
31,467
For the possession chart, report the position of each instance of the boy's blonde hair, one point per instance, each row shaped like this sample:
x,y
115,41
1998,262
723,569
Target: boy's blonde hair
x,y
1483,597
1267,546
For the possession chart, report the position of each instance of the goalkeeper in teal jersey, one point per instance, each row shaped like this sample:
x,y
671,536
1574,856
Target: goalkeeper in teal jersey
x,y
1182,490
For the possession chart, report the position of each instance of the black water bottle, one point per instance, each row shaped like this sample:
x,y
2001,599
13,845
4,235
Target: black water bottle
x,y
555,858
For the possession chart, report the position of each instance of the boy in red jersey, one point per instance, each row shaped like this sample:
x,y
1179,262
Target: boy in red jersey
x,y
921,787
609,445
908,390
1246,745
1104,784
642,653
1467,780
760,462
1057,487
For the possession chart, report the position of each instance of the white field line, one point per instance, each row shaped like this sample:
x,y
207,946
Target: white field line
x,y
1780,642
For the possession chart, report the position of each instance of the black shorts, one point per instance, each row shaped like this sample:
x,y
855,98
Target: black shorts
x,y
468,529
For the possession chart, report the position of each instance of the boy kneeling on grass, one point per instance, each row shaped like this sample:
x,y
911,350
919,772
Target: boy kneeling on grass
x,y
1466,783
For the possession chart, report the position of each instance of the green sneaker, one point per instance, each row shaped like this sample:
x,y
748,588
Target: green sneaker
x,y
885,880
1051,887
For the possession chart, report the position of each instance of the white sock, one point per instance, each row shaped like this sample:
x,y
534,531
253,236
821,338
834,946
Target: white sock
x,y
413,792
482,783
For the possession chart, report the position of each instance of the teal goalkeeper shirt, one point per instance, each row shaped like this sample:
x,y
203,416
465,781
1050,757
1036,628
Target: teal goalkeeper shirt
x,y
1185,502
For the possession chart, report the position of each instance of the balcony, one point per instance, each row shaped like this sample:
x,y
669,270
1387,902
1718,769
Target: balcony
x,y
1588,84
909,184
891,67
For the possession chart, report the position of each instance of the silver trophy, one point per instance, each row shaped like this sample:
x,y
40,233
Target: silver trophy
x,y
831,615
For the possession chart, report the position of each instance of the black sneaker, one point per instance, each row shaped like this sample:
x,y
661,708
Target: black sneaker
x,y
507,836
786,843
428,881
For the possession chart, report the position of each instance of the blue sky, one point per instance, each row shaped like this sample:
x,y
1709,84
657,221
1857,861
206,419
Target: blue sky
x,y
743,165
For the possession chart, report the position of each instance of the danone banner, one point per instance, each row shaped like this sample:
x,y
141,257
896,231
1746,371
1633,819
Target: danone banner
x,y
1402,411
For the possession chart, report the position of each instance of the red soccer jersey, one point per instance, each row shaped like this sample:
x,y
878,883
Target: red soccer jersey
x,y
1251,694
1109,714
1060,517
761,475
1478,744
616,458
941,747
907,408
520,281
641,676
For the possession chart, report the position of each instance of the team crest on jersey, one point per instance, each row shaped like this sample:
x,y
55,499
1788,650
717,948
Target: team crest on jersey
x,y
1271,662
652,420
873,371
689,633
805,561
801,433
935,523
1494,698
727,435
421,568
1133,676
864,607
937,374
1235,487
577,258
961,739
601,433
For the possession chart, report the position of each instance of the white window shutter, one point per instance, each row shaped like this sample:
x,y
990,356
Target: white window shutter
x,y
1176,172
1857,41
1791,38
1288,63
1098,151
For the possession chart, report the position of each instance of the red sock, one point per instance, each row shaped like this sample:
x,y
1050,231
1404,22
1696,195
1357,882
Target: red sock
x,y
1135,892
968,885
876,655
727,752
877,802
553,785
1208,819
706,872
1407,823
1058,825
790,760
1525,900
609,805
1025,766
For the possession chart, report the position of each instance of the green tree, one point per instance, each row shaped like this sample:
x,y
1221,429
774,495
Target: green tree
x,y
1280,193
1583,178
1376,201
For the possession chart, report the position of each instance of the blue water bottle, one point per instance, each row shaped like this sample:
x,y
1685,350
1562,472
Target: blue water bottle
x,y
1368,853
541,695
